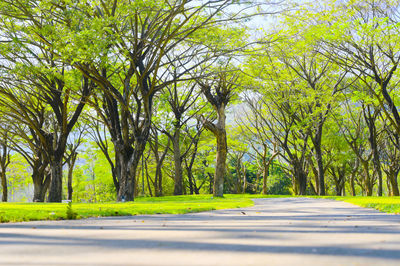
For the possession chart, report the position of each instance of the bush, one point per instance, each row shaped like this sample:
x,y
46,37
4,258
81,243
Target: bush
x,y
280,185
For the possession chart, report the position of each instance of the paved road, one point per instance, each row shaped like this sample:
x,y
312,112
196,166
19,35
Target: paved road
x,y
281,231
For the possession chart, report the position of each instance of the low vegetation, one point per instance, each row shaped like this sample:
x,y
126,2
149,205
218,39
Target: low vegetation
x,y
18,212
384,204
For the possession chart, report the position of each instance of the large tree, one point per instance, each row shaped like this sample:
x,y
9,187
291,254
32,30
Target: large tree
x,y
133,51
219,93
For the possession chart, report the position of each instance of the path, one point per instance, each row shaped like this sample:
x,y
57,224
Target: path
x,y
278,231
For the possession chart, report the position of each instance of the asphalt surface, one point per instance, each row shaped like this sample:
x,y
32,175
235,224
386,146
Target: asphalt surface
x,y
277,231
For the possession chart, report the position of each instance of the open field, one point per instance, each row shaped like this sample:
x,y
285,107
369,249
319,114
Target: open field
x,y
17,212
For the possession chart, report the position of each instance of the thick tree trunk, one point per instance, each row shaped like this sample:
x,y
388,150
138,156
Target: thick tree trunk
x,y
300,179
338,190
220,164
302,184
368,186
4,197
223,93
4,162
55,193
129,160
40,187
222,150
178,181
126,184
352,186
41,178
393,182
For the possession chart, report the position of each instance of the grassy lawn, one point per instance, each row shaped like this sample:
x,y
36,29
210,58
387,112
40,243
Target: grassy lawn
x,y
384,204
17,212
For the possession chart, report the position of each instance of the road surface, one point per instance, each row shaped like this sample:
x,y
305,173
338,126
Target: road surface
x,y
276,231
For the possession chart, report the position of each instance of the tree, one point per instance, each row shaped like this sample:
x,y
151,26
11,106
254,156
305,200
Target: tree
x,y
183,103
34,77
4,162
132,70
218,93
252,123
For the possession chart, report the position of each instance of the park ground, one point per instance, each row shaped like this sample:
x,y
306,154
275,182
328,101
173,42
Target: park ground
x,y
19,212
275,231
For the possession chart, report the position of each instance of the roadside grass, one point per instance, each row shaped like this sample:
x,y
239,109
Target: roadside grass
x,y
384,204
19,212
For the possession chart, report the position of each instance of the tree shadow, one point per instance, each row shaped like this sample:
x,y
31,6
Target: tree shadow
x,y
259,223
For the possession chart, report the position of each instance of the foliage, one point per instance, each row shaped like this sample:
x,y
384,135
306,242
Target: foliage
x,y
280,185
71,214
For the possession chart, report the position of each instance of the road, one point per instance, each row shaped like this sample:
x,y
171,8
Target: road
x,y
276,231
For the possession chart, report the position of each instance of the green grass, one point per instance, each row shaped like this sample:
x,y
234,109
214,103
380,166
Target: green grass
x,y
384,204
18,212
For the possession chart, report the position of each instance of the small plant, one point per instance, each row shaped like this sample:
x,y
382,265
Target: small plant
x,y
71,215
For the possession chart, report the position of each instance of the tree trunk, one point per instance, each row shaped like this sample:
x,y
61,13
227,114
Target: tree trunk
x,y
238,176
41,178
378,170
315,173
394,184
222,150
220,165
126,184
4,197
71,165
265,175
300,179
149,181
129,159
55,193
178,182
190,177
40,187
368,183
4,162
302,184
116,174
342,178
158,181
320,168
210,189
352,185
244,179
